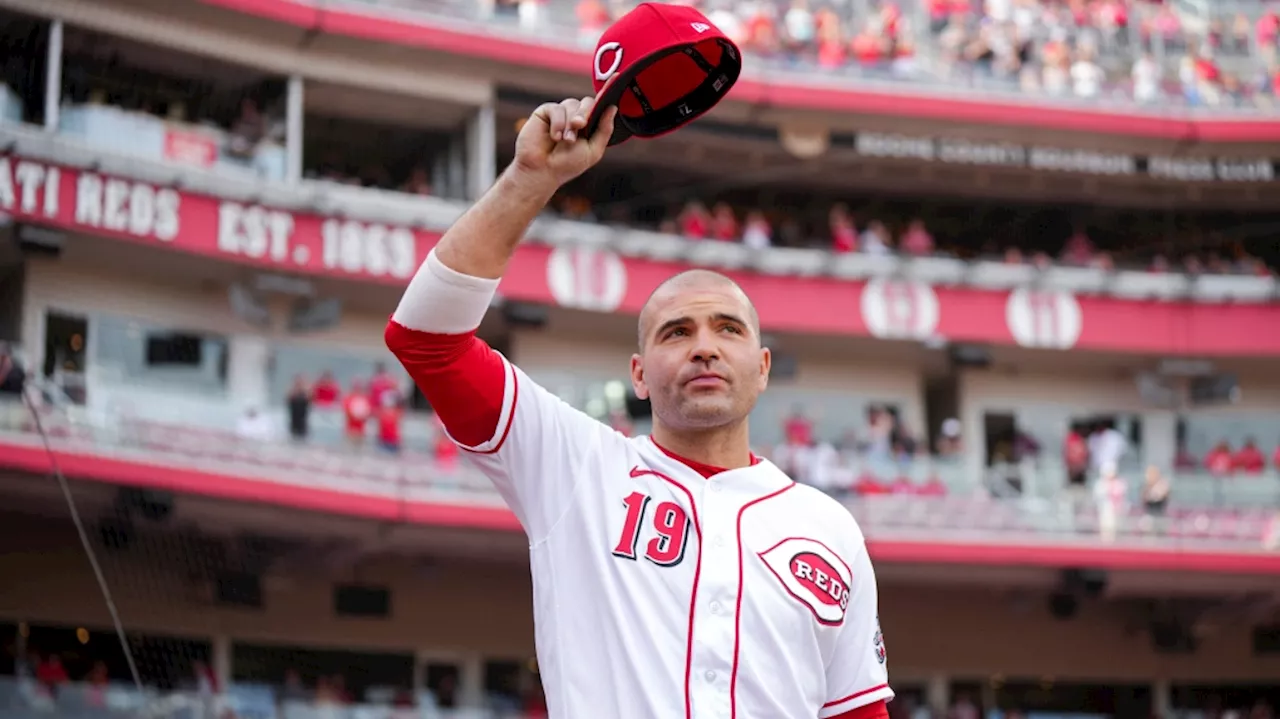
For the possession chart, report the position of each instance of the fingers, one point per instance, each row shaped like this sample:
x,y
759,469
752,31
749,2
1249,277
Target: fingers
x,y
600,140
566,118
579,119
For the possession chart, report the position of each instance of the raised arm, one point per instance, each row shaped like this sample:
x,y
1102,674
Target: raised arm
x,y
519,434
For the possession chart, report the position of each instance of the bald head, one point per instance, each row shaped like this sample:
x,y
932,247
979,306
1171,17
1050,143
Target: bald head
x,y
691,281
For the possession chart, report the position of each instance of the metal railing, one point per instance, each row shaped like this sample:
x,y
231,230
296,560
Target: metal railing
x,y
920,499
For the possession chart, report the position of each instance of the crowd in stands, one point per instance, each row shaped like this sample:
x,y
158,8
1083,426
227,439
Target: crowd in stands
x,y
846,230
1137,49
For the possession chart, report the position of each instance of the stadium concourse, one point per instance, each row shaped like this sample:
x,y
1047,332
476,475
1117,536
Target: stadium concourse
x,y
1015,259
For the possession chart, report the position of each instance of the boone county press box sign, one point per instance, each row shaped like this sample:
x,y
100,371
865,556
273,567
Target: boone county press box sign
x,y
1000,154
143,212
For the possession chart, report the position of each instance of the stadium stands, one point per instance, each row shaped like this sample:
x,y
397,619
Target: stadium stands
x,y
191,200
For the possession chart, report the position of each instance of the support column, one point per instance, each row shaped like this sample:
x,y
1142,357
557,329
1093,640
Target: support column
x,y
293,128
53,78
481,141
1162,698
471,681
937,694
222,660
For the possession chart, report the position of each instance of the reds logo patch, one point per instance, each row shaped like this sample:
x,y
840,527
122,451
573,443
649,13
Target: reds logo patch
x,y
878,642
812,574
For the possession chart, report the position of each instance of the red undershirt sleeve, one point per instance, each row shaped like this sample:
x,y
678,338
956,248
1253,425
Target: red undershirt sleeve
x,y
526,440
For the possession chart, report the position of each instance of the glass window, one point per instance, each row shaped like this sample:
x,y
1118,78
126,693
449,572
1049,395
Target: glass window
x,y
137,351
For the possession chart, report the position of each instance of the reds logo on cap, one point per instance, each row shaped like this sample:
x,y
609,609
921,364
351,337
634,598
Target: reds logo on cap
x,y
662,66
812,574
606,51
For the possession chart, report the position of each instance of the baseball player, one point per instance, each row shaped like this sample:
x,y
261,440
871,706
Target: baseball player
x,y
675,575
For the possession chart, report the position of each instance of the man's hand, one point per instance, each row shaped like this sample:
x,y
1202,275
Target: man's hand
x,y
549,149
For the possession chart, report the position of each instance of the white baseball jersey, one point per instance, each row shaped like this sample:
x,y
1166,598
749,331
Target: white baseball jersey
x,y
661,593
662,588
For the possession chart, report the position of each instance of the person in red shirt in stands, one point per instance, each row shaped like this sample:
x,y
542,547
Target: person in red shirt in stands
x,y
695,221
798,429
390,414
917,240
1220,462
358,410
51,674
382,386
326,391
1075,453
844,235
724,226
1249,459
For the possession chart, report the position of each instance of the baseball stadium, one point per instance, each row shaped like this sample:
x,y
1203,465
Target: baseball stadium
x,y
1015,262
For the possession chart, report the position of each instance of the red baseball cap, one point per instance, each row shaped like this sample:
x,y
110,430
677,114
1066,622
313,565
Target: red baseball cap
x,y
663,66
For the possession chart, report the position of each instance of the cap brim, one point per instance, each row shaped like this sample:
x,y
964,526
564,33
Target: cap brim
x,y
609,96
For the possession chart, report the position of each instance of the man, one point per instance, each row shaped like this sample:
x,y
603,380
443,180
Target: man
x,y
675,575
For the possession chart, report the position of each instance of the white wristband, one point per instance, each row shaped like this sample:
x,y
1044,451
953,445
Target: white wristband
x,y
444,301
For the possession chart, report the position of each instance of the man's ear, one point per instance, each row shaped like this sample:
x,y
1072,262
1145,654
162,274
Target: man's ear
x,y
766,363
637,377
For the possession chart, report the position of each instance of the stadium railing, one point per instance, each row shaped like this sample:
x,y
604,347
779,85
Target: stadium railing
x,y
23,698
555,25
924,499
438,214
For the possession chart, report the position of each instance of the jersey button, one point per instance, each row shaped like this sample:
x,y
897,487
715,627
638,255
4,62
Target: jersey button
x,y
720,540
711,676
715,607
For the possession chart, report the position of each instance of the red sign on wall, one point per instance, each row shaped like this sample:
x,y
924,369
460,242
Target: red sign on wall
x,y
190,148
599,280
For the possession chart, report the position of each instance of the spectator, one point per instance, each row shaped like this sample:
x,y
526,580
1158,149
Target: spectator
x,y
1275,457
1147,75
390,415
1110,493
299,402
51,674
724,226
1155,492
695,221
876,240
916,240
444,449
419,182
326,391
797,428
1249,459
1219,461
12,376
382,386
1086,76
97,683
949,443
294,690
799,26
358,410
249,129
756,233
1075,454
1106,446
1078,249
593,18
1268,29
844,236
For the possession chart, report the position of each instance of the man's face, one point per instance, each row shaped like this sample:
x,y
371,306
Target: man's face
x,y
701,364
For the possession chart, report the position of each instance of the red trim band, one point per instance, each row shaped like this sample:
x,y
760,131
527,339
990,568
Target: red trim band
x,y
854,695
737,612
693,595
